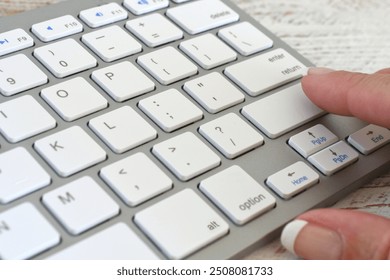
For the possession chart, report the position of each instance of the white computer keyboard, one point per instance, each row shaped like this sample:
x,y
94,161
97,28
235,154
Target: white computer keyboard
x,y
152,129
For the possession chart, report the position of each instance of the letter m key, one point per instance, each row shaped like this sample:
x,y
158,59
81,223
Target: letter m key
x,y
68,198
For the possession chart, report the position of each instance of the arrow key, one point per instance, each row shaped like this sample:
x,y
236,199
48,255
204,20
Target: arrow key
x,y
292,180
334,158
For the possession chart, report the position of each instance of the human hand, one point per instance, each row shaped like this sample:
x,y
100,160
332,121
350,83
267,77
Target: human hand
x,y
338,233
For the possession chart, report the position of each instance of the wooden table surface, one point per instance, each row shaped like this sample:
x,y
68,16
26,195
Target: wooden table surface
x,y
345,34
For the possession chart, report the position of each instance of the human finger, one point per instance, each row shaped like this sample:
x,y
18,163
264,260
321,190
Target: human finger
x,y
366,96
338,234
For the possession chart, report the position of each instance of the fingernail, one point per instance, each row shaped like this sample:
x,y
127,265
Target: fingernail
x,y
311,241
319,71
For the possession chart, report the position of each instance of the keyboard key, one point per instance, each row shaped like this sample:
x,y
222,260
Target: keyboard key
x,y
118,242
139,7
181,224
111,43
265,72
57,28
334,158
370,138
20,174
122,129
312,140
74,99
123,81
282,111
136,179
245,38
292,180
214,92
24,233
103,15
15,79
14,40
208,51
23,117
239,196
80,205
231,135
61,62
70,150
154,30
162,109
203,15
167,65
186,156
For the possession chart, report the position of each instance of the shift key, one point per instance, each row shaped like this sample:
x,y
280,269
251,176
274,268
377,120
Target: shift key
x,y
266,71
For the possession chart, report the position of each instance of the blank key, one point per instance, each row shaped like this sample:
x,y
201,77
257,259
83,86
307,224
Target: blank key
x,y
282,111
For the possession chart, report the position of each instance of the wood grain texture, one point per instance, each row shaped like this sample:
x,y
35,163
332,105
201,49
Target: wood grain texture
x,y
345,34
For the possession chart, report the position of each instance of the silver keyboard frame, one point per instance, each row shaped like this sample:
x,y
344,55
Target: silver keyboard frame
x,y
273,156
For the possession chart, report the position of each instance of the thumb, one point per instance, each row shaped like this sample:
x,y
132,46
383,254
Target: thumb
x,y
366,96
338,234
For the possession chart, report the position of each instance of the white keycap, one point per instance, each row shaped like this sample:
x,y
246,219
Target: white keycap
x,y
15,79
23,117
62,62
214,92
292,180
282,111
122,129
20,174
70,151
208,51
24,233
118,242
199,16
167,65
334,158
181,224
239,196
80,205
103,15
154,30
265,72
370,138
74,99
111,43
14,40
163,109
186,156
245,38
136,179
231,135
139,7
57,28
312,140
123,81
